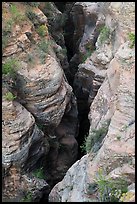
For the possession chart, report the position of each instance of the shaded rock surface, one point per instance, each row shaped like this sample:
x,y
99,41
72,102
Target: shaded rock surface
x,y
64,147
114,102
23,145
41,122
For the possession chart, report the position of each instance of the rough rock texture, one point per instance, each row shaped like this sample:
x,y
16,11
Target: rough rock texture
x,y
56,22
115,101
71,188
19,187
94,57
64,147
43,115
44,91
20,134
87,19
23,145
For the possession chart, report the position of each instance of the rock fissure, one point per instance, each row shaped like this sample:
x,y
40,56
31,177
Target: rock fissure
x,y
63,92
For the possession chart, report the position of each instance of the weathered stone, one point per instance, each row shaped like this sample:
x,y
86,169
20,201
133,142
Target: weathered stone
x,y
114,101
44,100
20,134
44,91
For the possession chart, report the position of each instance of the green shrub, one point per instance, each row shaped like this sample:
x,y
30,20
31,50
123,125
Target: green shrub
x,y
64,51
44,46
83,146
42,30
40,126
42,56
119,137
6,32
110,190
13,9
9,96
93,140
131,37
30,58
27,198
39,173
10,67
5,40
17,17
43,49
104,34
8,27
88,54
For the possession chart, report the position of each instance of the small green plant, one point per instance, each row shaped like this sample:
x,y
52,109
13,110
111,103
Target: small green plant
x,y
39,173
91,188
43,49
17,17
110,190
119,137
83,146
8,26
27,198
40,126
104,34
88,54
44,46
42,30
10,67
124,127
13,9
95,137
42,56
9,96
5,40
64,51
131,37
30,58
6,32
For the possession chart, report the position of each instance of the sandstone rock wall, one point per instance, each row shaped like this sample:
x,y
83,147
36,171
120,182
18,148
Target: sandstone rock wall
x,y
36,119
112,68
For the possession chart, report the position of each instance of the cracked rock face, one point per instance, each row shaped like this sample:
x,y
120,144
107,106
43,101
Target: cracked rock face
x,y
20,133
40,124
22,147
114,101
44,91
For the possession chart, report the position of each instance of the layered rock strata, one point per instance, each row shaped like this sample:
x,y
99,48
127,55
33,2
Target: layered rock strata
x,y
39,106
114,102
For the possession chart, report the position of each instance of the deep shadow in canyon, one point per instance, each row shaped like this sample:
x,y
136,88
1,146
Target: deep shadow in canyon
x,y
83,108
82,101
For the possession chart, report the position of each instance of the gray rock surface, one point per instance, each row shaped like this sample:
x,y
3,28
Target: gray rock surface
x,y
41,122
114,101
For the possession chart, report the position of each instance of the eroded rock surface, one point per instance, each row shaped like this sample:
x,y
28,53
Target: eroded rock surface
x,y
37,118
114,102
23,146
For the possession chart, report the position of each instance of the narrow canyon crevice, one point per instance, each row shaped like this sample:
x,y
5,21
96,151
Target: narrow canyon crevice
x,y
83,105
65,99
66,133
82,100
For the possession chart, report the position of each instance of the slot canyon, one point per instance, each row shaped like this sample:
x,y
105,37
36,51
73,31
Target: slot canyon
x,y
68,101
